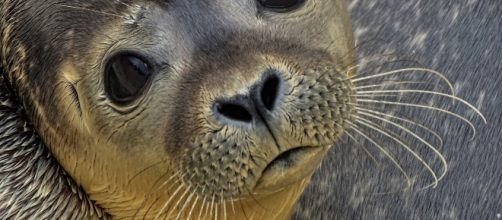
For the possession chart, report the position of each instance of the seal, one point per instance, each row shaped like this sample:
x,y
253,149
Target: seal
x,y
176,109
183,109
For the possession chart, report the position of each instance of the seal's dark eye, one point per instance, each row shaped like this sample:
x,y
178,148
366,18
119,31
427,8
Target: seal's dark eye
x,y
125,78
281,5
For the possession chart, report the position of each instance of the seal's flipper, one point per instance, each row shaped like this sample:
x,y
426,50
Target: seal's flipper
x,y
32,183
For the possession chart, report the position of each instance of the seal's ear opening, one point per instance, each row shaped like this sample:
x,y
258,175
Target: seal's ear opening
x,y
29,175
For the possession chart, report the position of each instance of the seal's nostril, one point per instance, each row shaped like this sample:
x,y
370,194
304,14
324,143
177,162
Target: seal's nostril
x,y
269,92
234,112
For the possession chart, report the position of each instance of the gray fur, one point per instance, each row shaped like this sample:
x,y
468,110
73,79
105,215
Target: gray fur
x,y
468,50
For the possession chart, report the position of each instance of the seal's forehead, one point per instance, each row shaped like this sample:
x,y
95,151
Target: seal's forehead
x,y
198,13
218,15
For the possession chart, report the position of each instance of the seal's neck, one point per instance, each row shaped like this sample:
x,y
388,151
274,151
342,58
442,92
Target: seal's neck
x,y
34,185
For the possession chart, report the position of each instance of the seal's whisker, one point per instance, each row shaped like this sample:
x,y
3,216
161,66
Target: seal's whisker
x,y
393,136
169,188
427,92
224,208
216,208
176,205
202,207
421,139
193,206
212,207
358,130
471,125
373,95
206,209
185,204
232,203
363,147
390,83
94,11
170,178
355,80
163,209
150,192
429,130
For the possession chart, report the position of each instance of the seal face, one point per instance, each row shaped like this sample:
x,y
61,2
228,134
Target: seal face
x,y
183,109
193,109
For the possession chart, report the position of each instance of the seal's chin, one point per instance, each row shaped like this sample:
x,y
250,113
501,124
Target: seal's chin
x,y
288,168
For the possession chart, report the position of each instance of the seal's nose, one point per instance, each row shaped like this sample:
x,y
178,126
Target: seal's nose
x,y
265,95
261,100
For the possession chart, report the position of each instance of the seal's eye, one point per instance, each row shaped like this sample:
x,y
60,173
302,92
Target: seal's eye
x,y
125,78
281,5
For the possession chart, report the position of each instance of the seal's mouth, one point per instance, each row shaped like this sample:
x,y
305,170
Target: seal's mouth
x,y
288,168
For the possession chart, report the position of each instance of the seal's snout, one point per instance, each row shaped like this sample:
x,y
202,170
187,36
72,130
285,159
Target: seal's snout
x,y
267,127
261,100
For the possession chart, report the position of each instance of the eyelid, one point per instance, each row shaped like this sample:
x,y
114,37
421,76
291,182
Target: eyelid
x,y
295,4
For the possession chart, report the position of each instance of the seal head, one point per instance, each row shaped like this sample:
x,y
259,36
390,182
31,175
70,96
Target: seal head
x,y
184,109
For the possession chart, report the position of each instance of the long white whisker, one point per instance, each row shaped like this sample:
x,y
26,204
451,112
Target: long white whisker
x,y
143,204
207,210
405,120
372,125
187,201
363,147
216,208
224,208
373,95
232,203
176,205
163,209
203,207
383,150
407,70
422,106
170,178
212,207
441,157
193,207
428,92
389,83
169,188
